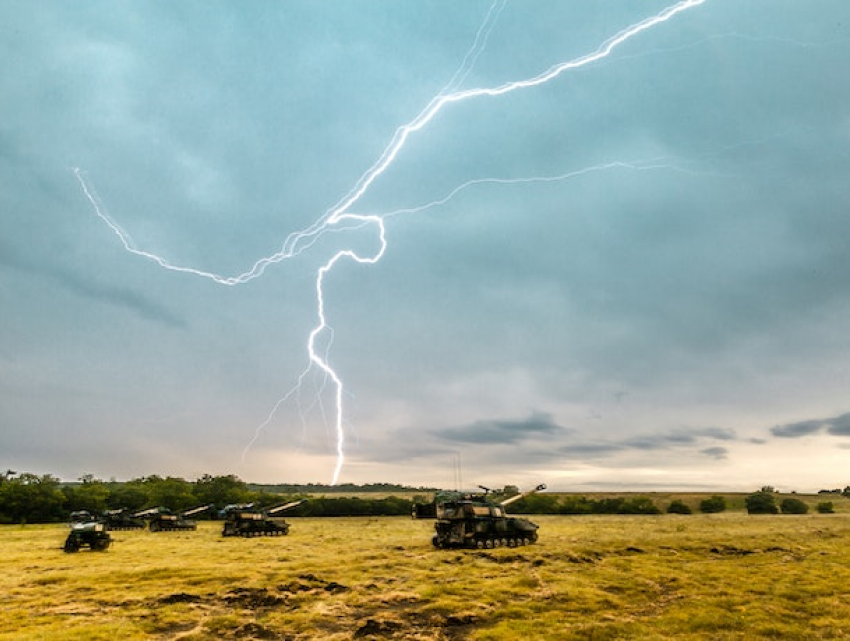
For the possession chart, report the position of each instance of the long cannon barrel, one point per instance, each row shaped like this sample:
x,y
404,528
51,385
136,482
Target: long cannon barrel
x,y
287,506
517,497
144,513
196,510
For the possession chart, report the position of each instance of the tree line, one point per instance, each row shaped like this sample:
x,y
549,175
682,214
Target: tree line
x,y
32,498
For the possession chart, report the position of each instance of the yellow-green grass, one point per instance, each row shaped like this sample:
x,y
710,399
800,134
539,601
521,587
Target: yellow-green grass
x,y
722,576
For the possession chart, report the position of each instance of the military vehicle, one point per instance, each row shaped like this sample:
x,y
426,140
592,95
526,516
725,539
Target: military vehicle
x,y
164,520
122,519
87,530
245,520
474,520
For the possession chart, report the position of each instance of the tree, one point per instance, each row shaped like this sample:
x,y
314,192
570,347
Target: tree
x,y
713,505
91,494
170,492
536,504
826,507
131,495
577,505
761,503
31,498
793,506
220,490
677,506
639,505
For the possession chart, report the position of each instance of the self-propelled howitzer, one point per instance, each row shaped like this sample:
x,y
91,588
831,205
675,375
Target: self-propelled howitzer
x,y
475,521
164,520
244,520
122,519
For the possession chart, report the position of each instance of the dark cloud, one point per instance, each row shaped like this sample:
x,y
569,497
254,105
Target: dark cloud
x,y
680,437
121,297
592,450
798,429
661,441
87,287
837,426
715,452
502,431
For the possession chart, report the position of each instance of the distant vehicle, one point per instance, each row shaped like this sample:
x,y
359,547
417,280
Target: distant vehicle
x,y
87,530
474,520
122,519
164,520
245,520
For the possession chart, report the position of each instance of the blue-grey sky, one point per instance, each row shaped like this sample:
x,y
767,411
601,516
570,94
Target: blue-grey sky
x,y
633,275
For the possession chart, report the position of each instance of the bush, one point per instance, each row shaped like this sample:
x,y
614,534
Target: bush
x,y
793,506
713,505
577,505
826,507
761,503
678,507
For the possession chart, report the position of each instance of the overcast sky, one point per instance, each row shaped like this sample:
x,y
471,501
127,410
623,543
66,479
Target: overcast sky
x,y
635,275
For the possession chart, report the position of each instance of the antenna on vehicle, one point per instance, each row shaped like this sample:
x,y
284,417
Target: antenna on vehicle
x,y
458,473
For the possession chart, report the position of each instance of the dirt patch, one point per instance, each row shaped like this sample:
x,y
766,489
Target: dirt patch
x,y
253,598
294,587
180,597
309,583
571,557
378,627
254,630
419,625
503,558
730,550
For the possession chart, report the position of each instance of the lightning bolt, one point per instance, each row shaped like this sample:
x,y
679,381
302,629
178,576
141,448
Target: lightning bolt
x,y
339,216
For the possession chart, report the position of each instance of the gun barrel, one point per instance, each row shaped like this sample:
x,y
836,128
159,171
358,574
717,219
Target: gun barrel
x,y
517,497
196,510
287,506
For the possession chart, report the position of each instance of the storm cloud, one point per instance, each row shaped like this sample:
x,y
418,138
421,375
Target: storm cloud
x,y
835,426
637,270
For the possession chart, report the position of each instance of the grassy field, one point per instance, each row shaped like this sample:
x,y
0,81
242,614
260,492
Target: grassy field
x,y
724,576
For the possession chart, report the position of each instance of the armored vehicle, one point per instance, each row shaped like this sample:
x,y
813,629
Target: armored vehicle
x,y
122,519
244,520
86,530
467,520
164,520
